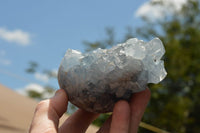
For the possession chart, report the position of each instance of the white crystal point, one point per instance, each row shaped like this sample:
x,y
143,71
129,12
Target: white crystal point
x,y
155,66
71,59
94,81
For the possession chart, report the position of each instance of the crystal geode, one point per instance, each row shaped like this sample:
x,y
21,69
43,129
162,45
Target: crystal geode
x,y
94,81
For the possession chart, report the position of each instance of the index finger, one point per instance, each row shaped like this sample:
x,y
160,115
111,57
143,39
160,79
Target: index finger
x,y
138,104
78,122
48,112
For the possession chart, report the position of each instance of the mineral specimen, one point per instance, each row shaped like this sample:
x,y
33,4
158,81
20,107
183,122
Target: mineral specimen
x,y
94,81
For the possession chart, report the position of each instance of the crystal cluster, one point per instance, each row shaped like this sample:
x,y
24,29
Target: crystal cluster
x,y
94,81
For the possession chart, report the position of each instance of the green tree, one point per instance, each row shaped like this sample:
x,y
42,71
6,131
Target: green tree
x,y
175,102
174,105
109,41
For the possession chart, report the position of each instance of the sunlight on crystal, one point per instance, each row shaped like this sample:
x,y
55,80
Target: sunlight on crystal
x,y
111,74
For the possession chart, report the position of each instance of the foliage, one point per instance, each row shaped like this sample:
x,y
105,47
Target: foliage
x,y
102,43
34,94
47,92
101,119
32,67
174,104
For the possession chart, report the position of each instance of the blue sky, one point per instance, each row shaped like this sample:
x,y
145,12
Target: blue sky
x,y
43,30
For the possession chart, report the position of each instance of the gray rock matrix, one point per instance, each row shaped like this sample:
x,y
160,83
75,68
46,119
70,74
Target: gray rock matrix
x,y
95,81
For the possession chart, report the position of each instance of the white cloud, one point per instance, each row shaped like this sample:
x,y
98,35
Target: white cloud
x,y
4,61
42,77
54,73
152,10
17,36
31,87
36,88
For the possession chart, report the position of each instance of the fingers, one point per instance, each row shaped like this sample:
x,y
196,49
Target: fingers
x,y
119,121
48,112
78,122
59,102
126,117
138,104
105,128
120,118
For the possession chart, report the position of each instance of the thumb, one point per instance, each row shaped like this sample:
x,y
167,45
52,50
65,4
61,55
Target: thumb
x,y
59,102
48,112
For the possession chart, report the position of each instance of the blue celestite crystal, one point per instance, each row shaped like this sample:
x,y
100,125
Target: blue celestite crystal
x,y
94,81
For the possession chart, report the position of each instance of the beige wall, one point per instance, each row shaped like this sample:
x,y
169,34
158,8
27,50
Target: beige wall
x,y
16,112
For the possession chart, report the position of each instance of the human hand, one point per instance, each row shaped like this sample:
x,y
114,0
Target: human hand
x,y
125,118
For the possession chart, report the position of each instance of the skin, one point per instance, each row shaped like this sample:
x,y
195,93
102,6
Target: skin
x,y
125,118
